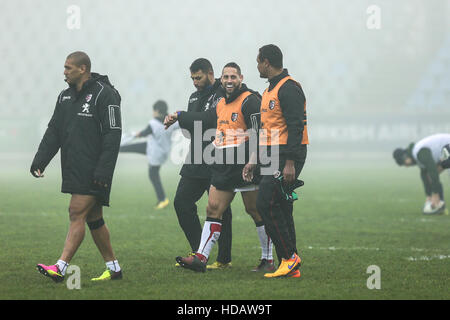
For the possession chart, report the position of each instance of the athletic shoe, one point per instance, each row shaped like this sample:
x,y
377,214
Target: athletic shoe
x,y
293,274
162,204
189,254
438,210
427,208
218,266
109,275
51,272
192,262
265,265
287,267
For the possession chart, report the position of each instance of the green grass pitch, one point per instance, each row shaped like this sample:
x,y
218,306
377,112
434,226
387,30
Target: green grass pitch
x,y
350,215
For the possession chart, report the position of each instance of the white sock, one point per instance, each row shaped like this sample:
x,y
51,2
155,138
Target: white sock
x,y
266,243
210,235
113,265
62,265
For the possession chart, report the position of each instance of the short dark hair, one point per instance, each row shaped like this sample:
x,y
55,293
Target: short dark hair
x,y
273,54
161,107
233,65
399,155
201,64
80,58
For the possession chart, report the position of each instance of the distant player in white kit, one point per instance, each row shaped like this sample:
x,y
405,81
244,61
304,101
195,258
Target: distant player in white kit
x,y
431,154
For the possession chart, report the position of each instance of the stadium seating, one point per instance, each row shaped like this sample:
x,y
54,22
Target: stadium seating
x,y
344,67
433,90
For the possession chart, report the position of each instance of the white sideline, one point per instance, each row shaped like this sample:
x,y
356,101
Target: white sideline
x,y
421,258
433,257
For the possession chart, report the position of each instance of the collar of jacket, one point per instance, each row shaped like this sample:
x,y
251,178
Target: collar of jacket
x,y
210,89
94,78
236,93
274,81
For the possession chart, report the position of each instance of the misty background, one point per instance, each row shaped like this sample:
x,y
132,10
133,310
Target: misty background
x,y
376,74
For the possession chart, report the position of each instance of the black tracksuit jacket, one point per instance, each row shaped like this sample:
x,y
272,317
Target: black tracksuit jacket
x,y
200,101
86,126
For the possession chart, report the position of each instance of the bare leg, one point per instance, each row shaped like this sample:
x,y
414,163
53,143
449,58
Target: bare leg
x,y
80,206
249,199
101,235
218,201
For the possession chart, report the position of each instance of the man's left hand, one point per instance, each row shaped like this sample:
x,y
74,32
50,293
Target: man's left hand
x,y
289,172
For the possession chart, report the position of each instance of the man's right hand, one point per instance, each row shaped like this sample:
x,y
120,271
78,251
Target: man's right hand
x,y
247,172
170,120
36,172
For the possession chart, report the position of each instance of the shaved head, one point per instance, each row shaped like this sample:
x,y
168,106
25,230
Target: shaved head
x,y
77,69
80,58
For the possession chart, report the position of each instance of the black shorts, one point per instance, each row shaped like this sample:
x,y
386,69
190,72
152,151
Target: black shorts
x,y
228,177
101,195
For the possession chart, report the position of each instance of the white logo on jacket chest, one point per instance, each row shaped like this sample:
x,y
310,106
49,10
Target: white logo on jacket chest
x,y
85,110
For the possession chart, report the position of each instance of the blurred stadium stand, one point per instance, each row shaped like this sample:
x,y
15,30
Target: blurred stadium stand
x,y
433,90
349,73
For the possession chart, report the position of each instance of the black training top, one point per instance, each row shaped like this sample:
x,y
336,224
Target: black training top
x,y
86,126
200,101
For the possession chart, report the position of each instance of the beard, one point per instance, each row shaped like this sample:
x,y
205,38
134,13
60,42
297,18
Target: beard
x,y
234,92
206,84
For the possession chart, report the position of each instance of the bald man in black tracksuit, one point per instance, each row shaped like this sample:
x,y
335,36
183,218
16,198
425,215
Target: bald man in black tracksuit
x,y
86,127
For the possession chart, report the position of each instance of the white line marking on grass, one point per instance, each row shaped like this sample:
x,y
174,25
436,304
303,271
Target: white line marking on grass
x,y
332,248
421,258
426,258
427,220
421,220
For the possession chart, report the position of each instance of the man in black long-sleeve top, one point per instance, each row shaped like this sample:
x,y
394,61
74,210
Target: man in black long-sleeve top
x,y
283,136
195,173
86,126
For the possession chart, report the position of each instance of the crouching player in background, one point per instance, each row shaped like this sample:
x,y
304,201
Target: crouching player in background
x,y
431,154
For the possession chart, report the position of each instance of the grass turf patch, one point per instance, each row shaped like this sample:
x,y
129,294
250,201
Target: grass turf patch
x,y
349,216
